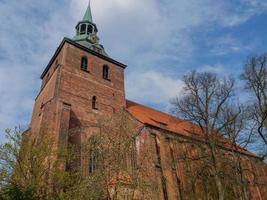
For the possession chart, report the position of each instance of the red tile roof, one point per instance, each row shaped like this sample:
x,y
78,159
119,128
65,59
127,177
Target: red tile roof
x,y
170,123
161,120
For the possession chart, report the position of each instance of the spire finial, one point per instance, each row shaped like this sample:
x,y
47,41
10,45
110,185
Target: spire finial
x,y
88,14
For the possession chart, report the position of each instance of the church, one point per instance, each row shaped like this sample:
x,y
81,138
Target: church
x,y
82,83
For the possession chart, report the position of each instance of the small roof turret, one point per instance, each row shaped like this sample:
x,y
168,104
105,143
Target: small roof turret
x,y
86,33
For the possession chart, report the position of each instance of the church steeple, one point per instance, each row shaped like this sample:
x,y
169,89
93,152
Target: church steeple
x,y
88,14
86,33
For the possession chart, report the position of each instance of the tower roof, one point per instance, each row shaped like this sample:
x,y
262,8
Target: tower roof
x,y
86,33
88,14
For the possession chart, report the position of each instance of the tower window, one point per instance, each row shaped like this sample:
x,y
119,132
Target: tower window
x,y
89,29
83,29
94,103
106,72
84,63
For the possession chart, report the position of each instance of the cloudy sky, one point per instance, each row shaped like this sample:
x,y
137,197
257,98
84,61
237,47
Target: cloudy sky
x,y
159,40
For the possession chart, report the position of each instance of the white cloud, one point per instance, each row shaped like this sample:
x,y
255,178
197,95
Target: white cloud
x,y
227,44
151,29
26,40
152,87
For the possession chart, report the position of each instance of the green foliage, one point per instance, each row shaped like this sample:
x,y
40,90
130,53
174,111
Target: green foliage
x,y
33,166
11,192
29,168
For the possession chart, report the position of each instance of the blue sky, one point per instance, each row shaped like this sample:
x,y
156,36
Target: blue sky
x,y
159,40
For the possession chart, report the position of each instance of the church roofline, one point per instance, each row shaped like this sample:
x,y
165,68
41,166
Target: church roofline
x,y
83,48
150,117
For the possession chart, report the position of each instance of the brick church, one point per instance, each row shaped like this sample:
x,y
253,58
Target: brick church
x,y
82,83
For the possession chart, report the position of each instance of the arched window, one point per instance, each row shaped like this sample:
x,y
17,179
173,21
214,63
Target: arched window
x,y
94,103
84,63
89,29
106,72
83,29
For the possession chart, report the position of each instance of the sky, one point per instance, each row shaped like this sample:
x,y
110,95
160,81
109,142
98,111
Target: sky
x,y
159,40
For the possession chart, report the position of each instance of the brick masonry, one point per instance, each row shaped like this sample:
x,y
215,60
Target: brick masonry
x,y
64,103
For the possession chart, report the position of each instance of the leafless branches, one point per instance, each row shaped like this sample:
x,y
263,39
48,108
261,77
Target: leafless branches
x,y
255,77
209,102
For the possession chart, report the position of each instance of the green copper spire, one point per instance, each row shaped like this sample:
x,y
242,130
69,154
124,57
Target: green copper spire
x,y
88,14
86,33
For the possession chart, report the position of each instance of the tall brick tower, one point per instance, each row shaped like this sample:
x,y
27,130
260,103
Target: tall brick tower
x,y
80,84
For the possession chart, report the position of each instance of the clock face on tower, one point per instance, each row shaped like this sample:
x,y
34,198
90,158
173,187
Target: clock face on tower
x,y
92,38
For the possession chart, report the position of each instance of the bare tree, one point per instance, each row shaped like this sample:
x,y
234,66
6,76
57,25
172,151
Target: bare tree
x,y
255,77
205,101
239,136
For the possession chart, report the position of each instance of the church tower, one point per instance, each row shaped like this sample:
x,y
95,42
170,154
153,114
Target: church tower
x,y
80,84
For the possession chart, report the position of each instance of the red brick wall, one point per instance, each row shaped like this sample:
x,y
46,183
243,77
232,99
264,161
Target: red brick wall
x,y
66,84
177,177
